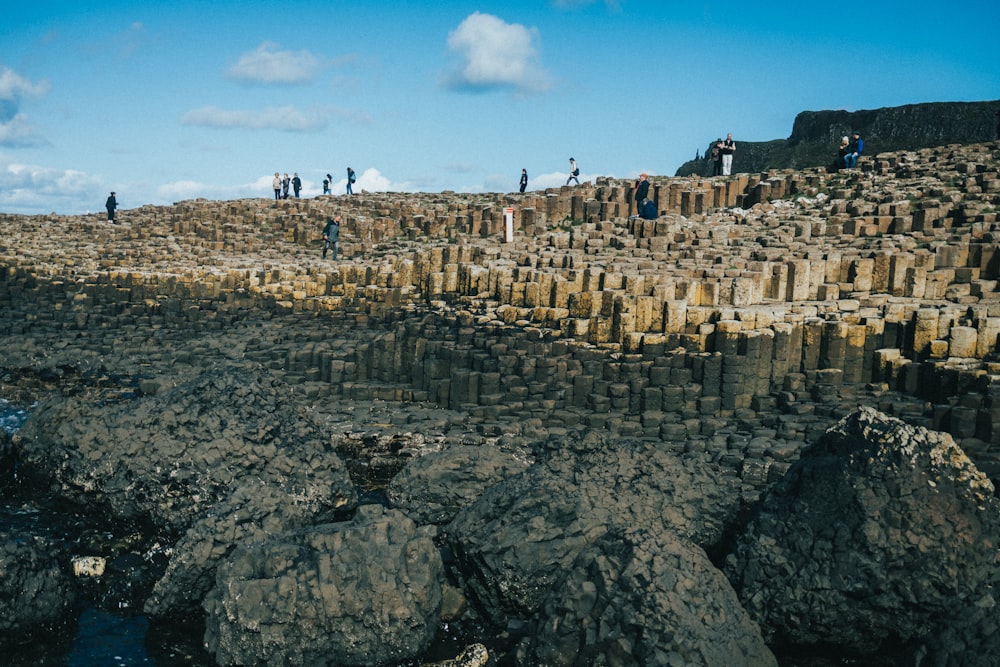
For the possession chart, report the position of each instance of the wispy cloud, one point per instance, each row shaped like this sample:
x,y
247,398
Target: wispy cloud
x,y
286,118
494,54
15,130
269,65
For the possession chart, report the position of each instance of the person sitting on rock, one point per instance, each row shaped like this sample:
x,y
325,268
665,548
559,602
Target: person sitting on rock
x,y
856,148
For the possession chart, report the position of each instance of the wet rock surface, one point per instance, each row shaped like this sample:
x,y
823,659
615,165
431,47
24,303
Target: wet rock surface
x,y
36,587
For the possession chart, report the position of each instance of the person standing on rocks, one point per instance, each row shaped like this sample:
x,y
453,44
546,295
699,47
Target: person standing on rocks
x,y
641,192
728,148
296,184
351,178
326,185
331,236
276,184
112,205
285,182
524,179
574,171
717,157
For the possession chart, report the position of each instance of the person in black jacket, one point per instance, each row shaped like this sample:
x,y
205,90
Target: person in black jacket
x,y
331,236
112,205
524,179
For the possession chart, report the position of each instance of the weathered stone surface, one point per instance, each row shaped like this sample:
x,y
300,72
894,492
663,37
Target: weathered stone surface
x,y
644,598
434,487
365,592
172,456
878,533
518,539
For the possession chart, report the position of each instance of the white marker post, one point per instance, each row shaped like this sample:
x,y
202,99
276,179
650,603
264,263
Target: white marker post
x,y
508,225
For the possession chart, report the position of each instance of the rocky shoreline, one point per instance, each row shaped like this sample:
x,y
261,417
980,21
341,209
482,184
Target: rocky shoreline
x,y
758,427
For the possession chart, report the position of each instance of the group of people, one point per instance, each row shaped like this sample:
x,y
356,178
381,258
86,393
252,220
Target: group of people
x,y
352,178
722,156
849,151
281,185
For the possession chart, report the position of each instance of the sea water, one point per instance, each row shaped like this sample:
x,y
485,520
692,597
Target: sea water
x,y
96,637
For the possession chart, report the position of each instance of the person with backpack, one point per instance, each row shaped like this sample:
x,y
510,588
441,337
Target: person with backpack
x,y
574,171
351,178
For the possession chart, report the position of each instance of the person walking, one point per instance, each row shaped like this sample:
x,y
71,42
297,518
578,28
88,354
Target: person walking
x,y
728,148
351,178
574,171
276,184
524,179
331,235
112,205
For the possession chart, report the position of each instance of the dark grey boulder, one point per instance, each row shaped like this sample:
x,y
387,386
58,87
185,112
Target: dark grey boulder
x,y
878,535
435,486
644,598
172,456
36,586
516,542
254,511
363,592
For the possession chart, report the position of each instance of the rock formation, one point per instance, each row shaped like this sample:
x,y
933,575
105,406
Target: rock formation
x,y
881,533
605,399
816,135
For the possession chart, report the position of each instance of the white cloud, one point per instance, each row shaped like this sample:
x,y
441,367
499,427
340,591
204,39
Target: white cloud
x,y
496,54
280,118
266,64
30,189
15,129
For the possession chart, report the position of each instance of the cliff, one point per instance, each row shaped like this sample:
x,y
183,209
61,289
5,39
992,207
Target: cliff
x,y
816,134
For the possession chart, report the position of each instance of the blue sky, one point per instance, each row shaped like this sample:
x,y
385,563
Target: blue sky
x,y
166,101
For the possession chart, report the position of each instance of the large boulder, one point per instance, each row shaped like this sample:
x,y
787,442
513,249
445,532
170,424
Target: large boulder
x,y
36,586
364,592
254,511
644,598
516,542
173,455
878,534
435,486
